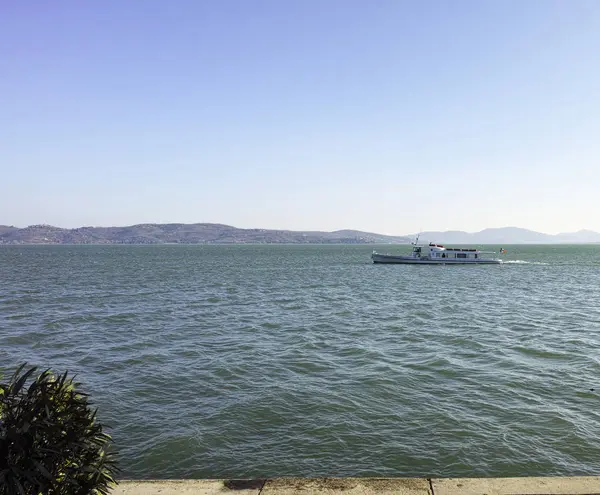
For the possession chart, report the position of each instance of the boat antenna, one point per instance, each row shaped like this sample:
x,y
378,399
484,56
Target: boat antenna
x,y
416,239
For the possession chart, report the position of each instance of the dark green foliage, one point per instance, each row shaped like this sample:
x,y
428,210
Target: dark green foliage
x,y
50,442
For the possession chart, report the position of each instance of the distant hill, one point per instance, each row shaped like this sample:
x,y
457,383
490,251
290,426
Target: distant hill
x,y
178,233
5,229
587,236
509,235
212,233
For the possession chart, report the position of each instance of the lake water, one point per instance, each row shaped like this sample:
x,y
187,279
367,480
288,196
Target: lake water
x,y
254,361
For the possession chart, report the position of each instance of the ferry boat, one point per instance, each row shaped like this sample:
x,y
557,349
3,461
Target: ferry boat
x,y
436,254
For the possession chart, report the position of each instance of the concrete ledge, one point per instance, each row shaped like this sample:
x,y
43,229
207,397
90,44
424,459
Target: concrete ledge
x,y
587,485
189,487
347,486
582,485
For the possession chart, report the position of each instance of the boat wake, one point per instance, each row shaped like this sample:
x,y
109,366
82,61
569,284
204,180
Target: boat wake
x,y
523,262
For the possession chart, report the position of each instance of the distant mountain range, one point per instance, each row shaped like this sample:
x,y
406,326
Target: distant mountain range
x,y
509,235
210,233
178,233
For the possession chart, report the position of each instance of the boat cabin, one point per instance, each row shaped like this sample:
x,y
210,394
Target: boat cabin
x,y
437,251
416,252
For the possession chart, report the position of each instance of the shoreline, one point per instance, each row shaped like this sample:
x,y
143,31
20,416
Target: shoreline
x,y
569,485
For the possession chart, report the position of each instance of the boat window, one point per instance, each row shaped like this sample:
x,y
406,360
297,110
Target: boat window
x,y
475,256
461,255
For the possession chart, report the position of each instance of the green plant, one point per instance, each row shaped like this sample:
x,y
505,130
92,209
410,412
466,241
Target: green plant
x,y
50,441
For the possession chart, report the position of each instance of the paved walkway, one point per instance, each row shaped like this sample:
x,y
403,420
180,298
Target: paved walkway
x,y
367,486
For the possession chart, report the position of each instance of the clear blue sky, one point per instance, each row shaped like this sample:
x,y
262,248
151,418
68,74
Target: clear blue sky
x,y
387,115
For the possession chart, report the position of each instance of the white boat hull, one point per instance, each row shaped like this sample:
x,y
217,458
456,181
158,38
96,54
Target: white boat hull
x,y
411,260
